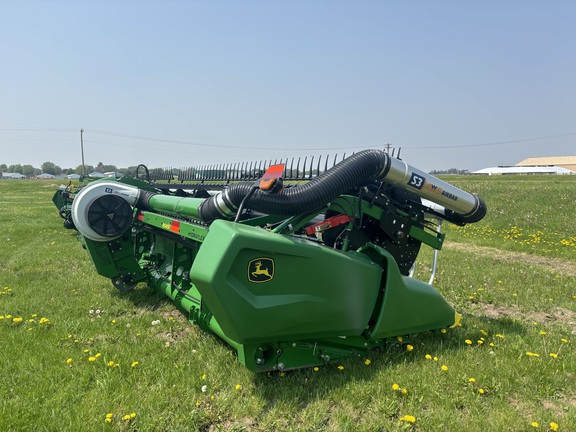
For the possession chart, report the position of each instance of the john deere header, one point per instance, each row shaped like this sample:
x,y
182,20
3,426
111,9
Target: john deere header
x,y
293,267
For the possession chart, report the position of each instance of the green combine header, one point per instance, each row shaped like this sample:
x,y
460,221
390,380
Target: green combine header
x,y
292,264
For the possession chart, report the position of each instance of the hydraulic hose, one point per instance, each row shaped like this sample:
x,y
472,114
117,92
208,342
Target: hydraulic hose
x,y
361,167
312,196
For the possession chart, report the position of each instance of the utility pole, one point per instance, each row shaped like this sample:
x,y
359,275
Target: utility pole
x,y
82,149
388,148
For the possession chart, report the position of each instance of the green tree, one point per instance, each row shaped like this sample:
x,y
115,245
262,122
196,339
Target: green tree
x,y
48,168
89,169
28,170
15,168
3,168
110,168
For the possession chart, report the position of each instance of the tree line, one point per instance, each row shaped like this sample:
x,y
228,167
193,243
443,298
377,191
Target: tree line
x,y
51,168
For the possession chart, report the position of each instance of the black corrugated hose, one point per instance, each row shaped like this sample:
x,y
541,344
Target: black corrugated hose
x,y
312,196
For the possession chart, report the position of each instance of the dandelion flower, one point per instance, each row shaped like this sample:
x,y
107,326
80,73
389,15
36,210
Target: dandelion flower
x,y
113,321
238,386
399,338
69,360
553,355
111,363
443,330
86,350
98,355
316,369
554,426
435,358
542,333
134,364
480,341
535,424
481,391
408,418
404,391
132,415
428,357
395,387
340,367
203,376
472,380
92,359
409,347
126,417
444,367
484,332
468,342
498,335
564,340
367,362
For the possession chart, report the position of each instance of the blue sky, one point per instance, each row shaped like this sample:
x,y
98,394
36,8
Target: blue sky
x,y
465,84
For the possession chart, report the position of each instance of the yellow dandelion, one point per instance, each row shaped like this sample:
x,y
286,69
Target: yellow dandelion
x,y
17,320
367,362
111,363
472,380
126,417
468,342
404,391
554,426
98,355
132,415
535,424
553,355
435,358
282,374
203,376
408,418
316,369
443,330
238,386
69,360
86,351
409,347
113,321
564,340
340,367
481,391
134,364
92,359
444,367
480,341
428,357
198,403
542,333
399,338
395,387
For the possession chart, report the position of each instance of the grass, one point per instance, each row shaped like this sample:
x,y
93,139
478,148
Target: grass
x,y
517,295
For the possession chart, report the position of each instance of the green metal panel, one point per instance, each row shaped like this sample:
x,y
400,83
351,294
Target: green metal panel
x,y
264,286
408,305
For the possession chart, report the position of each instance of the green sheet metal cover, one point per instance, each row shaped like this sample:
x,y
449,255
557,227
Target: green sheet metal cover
x,y
264,286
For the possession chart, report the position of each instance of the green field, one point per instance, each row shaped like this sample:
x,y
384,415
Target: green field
x,y
77,355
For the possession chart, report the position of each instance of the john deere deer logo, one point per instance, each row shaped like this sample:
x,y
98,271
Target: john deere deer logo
x,y
260,270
